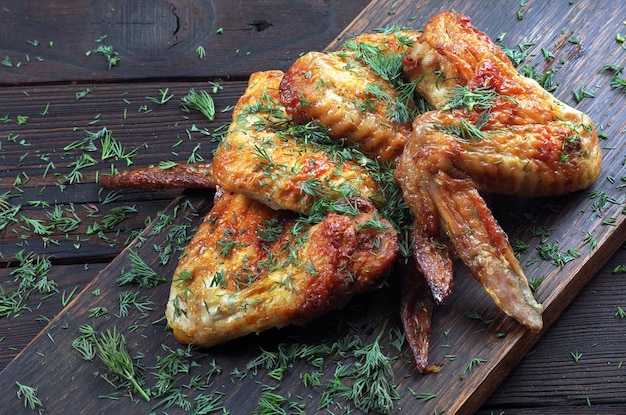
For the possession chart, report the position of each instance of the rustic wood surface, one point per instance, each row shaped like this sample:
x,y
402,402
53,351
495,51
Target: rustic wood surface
x,y
576,365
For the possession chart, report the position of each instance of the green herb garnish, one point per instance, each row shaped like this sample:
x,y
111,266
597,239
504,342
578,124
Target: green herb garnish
x,y
201,101
114,354
29,394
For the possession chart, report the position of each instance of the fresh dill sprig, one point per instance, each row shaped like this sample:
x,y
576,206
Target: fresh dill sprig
x,y
29,395
583,92
534,283
464,130
98,311
545,79
519,247
517,56
388,66
112,148
163,99
132,298
199,101
425,395
85,344
475,361
269,230
117,215
11,303
139,273
201,52
208,404
552,252
84,347
270,403
482,98
373,389
31,269
617,81
322,206
114,354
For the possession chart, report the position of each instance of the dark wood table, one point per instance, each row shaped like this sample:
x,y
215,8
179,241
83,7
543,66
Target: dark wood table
x,y
73,72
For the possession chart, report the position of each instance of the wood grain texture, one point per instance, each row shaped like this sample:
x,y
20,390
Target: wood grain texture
x,y
537,385
158,39
549,375
156,132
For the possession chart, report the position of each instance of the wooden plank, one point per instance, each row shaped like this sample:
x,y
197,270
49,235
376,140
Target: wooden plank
x,y
159,39
16,331
41,149
500,343
592,329
34,152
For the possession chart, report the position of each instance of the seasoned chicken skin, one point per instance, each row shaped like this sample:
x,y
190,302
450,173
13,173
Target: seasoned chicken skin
x,y
267,157
493,131
353,93
179,176
250,268
416,309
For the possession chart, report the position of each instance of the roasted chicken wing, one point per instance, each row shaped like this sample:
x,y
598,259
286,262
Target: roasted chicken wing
x,y
250,268
354,93
493,131
269,158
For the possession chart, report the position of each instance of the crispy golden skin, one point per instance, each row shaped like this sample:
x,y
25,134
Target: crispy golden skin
x,y
260,157
530,132
524,142
342,92
248,269
432,251
416,309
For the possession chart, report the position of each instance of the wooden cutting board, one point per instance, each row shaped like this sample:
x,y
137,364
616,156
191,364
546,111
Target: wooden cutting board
x,y
473,342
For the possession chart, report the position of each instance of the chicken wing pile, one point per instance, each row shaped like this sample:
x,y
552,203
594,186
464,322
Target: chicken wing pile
x,y
327,168
254,263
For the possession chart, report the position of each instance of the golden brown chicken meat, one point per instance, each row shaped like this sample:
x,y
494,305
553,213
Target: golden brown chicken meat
x,y
355,93
269,158
250,268
493,131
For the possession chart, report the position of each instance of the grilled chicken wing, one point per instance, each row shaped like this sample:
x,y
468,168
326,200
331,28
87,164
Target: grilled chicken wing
x,y
354,94
250,268
267,157
493,131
